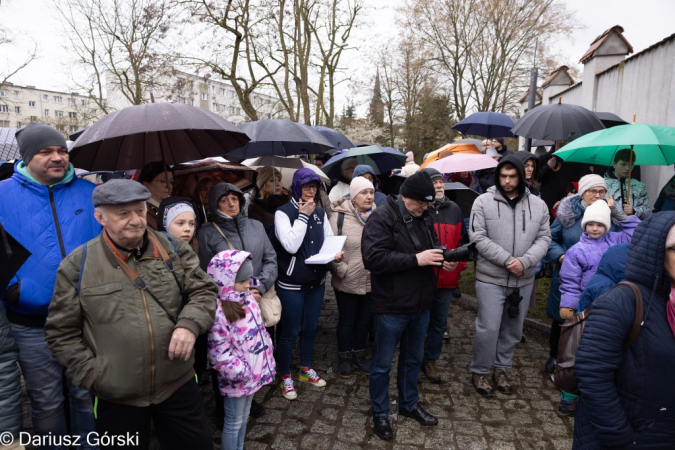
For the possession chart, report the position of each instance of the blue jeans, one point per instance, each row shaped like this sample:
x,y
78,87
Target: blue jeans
x,y
298,309
237,410
410,330
44,383
438,322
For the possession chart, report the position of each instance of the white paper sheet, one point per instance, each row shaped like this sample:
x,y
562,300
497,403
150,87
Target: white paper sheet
x,y
331,246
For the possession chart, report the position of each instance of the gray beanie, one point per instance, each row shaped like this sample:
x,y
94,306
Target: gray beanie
x,y
34,137
245,271
119,192
433,173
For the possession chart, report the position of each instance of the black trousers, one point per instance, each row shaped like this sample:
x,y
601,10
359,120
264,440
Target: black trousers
x,y
179,420
554,338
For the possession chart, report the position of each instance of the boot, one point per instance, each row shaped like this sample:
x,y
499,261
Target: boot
x,y
567,408
359,361
431,371
344,366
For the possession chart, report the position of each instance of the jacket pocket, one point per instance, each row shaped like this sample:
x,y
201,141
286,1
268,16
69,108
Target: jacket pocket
x,y
13,293
104,303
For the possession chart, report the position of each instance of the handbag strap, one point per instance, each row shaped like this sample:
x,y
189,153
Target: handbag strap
x,y
639,313
223,235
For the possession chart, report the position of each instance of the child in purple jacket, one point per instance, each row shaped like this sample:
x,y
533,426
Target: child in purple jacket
x,y
240,349
582,259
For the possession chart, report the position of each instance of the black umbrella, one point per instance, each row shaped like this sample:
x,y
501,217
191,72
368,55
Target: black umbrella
x,y
339,140
610,120
462,195
279,137
12,257
559,122
77,133
170,132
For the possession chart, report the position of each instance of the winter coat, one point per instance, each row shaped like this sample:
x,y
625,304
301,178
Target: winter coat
x,y
338,191
11,411
502,233
582,259
486,178
243,233
349,275
666,198
50,222
610,271
112,338
565,232
627,396
451,232
553,187
399,285
263,210
639,198
240,352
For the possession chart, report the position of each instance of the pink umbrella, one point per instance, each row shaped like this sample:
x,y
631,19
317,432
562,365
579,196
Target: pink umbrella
x,y
463,162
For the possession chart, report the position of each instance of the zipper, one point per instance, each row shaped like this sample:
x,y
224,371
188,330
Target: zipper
x,y
56,222
241,238
152,343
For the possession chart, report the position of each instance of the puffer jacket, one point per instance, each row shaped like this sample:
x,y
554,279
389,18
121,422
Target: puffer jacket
x,y
610,271
244,234
50,222
11,411
449,226
639,198
627,399
581,261
241,351
112,338
263,210
502,233
349,275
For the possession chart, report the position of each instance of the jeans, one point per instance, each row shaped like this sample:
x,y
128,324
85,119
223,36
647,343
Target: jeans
x,y
410,330
353,320
298,309
44,384
438,322
496,333
236,415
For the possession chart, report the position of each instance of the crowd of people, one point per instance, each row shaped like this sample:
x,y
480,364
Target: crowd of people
x,y
133,297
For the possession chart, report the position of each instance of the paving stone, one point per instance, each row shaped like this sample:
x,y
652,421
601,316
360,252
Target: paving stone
x,y
314,442
319,426
329,413
471,442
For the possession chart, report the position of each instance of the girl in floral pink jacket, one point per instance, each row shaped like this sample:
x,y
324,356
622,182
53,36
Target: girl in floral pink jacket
x,y
240,349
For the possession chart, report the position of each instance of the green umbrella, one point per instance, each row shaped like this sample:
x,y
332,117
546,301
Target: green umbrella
x,y
652,144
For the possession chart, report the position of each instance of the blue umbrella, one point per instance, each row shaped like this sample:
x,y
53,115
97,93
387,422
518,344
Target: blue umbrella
x,y
489,124
9,148
339,140
383,159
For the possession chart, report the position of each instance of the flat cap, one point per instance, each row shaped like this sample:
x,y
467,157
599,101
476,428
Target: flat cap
x,y
119,192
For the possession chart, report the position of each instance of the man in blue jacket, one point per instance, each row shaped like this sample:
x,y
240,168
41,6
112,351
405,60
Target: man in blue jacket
x,y
50,212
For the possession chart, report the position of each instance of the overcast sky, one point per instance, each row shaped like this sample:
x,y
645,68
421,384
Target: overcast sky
x,y
34,21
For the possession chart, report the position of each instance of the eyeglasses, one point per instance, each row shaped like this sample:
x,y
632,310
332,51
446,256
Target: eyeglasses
x,y
597,192
310,187
423,204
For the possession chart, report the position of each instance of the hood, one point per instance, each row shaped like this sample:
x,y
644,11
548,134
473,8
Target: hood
x,y
525,156
518,164
221,189
223,269
365,168
300,177
613,262
569,210
647,252
167,203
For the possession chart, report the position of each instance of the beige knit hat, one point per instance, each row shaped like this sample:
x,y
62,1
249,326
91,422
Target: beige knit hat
x,y
264,174
590,181
597,212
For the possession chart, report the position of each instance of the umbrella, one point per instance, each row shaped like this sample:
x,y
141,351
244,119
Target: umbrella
x,y
463,162
170,132
287,167
382,159
448,150
281,138
476,142
559,122
337,139
362,144
9,148
489,124
77,133
187,175
12,257
609,119
462,195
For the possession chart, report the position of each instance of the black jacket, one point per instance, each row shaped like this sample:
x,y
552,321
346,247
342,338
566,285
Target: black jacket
x,y
399,285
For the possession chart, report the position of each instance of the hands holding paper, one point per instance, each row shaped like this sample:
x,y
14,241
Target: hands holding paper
x,y
339,257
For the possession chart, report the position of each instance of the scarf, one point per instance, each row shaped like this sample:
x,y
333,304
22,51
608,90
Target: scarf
x,y
670,310
465,181
364,215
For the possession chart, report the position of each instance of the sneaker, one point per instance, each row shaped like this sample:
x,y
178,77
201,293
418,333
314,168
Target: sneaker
x,y
480,383
344,365
503,385
287,389
567,408
359,361
446,335
307,375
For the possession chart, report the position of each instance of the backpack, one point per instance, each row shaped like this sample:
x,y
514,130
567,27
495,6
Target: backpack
x,y
570,337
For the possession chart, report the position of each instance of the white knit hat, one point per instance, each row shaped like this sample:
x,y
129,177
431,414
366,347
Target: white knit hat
x,y
590,181
357,185
597,212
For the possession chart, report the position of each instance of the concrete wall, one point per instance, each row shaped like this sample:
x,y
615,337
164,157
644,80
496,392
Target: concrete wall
x,y
573,96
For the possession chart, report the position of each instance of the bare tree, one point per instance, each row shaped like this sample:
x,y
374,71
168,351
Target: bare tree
x,y
8,69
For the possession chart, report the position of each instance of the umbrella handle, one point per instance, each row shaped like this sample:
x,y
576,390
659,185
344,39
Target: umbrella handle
x,y
630,173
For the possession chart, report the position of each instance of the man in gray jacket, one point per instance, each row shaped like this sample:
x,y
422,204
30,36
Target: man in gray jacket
x,y
511,230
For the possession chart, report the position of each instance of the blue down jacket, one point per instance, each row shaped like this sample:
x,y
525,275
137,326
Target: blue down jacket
x,y
50,222
627,396
610,271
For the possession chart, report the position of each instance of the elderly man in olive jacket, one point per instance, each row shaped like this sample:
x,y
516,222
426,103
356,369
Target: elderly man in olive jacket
x,y
131,343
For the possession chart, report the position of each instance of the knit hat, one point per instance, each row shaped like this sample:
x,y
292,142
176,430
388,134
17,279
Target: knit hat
x,y
34,137
410,157
597,212
670,239
433,173
245,270
264,174
357,185
419,186
500,140
590,181
151,170
492,152
174,211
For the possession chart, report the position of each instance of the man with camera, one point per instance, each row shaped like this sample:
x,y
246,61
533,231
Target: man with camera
x,y
510,228
449,224
400,248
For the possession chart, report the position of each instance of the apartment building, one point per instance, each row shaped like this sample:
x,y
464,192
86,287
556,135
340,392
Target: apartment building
x,y
65,111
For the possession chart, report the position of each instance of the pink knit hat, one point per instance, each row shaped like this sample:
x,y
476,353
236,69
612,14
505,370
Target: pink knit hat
x,y
409,157
357,185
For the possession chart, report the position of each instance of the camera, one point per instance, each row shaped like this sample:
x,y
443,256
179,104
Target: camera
x,y
466,252
514,299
